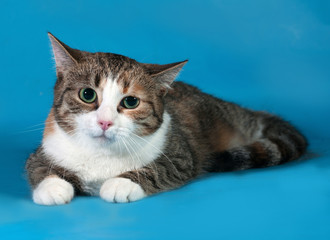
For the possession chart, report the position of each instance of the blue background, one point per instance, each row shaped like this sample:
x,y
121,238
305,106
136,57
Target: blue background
x,y
266,55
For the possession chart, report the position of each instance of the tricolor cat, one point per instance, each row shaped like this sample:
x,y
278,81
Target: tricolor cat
x,y
124,130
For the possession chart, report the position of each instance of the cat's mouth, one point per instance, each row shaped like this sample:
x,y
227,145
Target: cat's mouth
x,y
105,138
110,136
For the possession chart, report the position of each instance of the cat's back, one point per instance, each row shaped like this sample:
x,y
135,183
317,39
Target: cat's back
x,y
180,89
192,109
184,94
205,118
188,101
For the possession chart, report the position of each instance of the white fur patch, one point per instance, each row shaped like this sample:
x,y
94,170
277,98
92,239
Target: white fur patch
x,y
94,161
53,191
111,98
121,190
87,123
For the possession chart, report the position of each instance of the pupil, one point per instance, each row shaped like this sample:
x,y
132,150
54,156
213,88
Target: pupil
x,y
131,101
88,94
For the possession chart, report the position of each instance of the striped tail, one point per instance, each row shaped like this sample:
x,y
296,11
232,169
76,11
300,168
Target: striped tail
x,y
280,142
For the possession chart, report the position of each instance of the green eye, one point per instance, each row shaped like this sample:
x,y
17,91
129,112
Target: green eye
x,y
130,102
88,95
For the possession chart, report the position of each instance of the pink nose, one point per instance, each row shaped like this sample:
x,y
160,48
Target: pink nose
x,y
105,124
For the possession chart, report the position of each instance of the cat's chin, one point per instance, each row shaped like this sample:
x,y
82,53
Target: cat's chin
x,y
105,139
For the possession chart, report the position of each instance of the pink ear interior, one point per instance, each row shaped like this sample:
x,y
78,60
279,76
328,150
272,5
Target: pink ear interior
x,y
165,74
63,58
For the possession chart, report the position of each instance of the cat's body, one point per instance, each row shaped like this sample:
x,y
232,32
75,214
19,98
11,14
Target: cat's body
x,y
171,136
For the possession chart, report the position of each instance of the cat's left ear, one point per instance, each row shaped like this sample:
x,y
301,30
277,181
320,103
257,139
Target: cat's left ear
x,y
164,74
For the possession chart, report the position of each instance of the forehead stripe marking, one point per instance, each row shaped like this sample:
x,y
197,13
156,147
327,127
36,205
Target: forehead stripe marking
x,y
97,80
60,102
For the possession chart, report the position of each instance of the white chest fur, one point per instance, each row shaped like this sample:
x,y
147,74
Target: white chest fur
x,y
95,164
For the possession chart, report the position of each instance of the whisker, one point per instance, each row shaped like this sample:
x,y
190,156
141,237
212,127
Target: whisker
x,y
138,158
27,131
148,142
44,123
36,125
69,132
42,128
153,163
130,155
120,149
127,149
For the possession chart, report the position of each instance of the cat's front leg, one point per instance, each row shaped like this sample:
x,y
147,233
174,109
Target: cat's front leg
x,y
51,184
53,191
121,190
167,172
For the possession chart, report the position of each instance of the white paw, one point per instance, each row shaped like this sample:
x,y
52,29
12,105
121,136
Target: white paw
x,y
53,191
121,190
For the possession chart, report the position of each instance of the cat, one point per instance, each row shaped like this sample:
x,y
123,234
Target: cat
x,y
123,130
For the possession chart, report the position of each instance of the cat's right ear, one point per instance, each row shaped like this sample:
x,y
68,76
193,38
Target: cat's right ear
x,y
65,57
166,73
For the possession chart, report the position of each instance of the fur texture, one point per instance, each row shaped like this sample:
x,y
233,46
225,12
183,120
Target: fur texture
x,y
174,134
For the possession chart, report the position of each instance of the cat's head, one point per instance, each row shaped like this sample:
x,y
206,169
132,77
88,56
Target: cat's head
x,y
105,96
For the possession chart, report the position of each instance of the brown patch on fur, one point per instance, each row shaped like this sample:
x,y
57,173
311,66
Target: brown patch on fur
x,y
224,137
137,89
125,89
141,113
52,176
49,126
259,154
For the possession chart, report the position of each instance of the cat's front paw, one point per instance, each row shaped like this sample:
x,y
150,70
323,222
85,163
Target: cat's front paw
x,y
121,190
53,191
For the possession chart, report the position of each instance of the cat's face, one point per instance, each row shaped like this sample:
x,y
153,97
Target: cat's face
x,y
106,97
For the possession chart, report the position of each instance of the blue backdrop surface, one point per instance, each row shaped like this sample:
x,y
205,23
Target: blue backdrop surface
x,y
265,55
